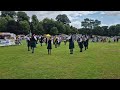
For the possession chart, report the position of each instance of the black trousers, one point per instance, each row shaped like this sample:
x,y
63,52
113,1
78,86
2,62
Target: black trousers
x,y
80,49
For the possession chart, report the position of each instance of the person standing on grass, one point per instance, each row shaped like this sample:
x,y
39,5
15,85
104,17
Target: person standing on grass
x,y
35,40
41,40
46,41
87,42
33,43
56,42
28,43
71,45
49,47
84,42
109,40
80,43
117,39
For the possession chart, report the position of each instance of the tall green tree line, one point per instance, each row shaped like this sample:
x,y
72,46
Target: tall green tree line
x,y
19,23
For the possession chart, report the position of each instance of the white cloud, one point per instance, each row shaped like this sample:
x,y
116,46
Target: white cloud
x,y
76,24
113,13
74,16
103,24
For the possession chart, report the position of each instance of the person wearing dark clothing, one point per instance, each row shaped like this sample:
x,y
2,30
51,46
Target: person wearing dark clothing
x,y
71,45
109,40
46,41
56,42
33,43
80,44
114,39
41,40
117,39
85,42
37,39
49,47
28,43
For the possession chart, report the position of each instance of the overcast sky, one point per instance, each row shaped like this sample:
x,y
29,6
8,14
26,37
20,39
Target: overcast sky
x,y
106,17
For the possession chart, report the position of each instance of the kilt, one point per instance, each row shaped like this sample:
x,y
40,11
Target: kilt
x,y
71,45
80,45
33,44
85,43
49,46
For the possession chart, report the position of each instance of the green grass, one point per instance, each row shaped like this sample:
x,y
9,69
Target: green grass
x,y
100,61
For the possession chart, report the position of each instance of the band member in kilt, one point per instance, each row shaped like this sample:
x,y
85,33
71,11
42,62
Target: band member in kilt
x,y
80,43
71,45
46,41
84,42
41,40
56,42
28,43
33,43
87,41
49,47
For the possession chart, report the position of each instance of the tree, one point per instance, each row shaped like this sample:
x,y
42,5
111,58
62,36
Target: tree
x,y
117,31
96,23
24,27
60,26
63,18
48,24
54,31
40,29
12,14
97,30
73,30
8,18
112,30
34,23
89,23
12,27
3,24
67,29
85,23
21,16
105,30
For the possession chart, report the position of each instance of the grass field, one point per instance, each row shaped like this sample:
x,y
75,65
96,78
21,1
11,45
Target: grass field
x,y
100,61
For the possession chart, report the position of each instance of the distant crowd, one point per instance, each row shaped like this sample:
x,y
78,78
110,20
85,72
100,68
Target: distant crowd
x,y
105,39
82,40
33,40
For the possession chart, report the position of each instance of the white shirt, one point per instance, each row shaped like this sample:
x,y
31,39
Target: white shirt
x,y
35,37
